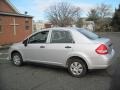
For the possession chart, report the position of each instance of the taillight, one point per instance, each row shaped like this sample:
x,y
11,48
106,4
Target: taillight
x,y
102,49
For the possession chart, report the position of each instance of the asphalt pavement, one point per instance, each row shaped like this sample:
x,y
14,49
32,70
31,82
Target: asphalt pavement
x,y
32,76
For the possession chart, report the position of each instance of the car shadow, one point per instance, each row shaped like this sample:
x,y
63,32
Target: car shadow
x,y
99,73
62,70
46,67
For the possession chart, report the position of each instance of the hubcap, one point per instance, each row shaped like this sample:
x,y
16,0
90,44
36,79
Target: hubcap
x,y
76,68
16,60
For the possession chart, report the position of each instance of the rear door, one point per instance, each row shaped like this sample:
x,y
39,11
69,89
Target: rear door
x,y
61,44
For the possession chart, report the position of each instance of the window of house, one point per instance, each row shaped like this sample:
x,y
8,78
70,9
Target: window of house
x,y
0,28
27,27
26,20
0,25
0,19
61,37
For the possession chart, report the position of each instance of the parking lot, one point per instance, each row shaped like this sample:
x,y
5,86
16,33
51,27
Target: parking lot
x,y
33,76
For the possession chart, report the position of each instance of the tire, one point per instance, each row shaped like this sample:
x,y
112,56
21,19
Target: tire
x,y
77,68
17,59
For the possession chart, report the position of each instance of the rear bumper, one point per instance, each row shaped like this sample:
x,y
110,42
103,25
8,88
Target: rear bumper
x,y
103,62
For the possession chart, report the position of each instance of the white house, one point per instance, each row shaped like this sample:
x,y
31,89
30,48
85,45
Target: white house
x,y
39,25
90,25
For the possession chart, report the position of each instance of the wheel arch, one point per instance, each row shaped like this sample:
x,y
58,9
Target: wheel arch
x,y
15,51
77,57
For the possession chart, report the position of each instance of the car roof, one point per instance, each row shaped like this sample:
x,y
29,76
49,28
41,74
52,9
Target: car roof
x,y
72,29
63,28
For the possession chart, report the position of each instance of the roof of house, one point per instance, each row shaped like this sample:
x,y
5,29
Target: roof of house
x,y
12,6
18,14
12,14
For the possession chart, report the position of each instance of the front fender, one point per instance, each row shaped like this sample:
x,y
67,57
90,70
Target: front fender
x,y
15,49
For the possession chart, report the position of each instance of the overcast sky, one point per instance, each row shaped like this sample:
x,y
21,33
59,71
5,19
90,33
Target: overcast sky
x,y
37,8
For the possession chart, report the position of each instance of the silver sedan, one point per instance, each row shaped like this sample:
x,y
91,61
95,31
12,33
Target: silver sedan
x,y
74,48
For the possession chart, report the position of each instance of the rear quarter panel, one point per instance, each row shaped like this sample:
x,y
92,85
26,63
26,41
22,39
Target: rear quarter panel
x,y
87,52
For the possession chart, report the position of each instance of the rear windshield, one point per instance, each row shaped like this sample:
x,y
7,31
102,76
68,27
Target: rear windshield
x,y
88,34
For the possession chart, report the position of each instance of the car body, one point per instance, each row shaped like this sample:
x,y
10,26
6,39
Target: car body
x,y
60,46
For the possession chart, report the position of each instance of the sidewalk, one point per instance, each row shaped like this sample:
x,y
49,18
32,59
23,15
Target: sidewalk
x,y
4,47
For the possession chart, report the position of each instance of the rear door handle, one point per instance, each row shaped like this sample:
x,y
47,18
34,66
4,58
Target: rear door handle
x,y
42,46
67,46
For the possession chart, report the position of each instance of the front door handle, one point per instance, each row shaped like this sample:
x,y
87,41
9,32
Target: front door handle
x,y
67,46
42,46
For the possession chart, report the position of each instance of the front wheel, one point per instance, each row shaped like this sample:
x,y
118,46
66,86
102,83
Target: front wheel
x,y
17,59
77,68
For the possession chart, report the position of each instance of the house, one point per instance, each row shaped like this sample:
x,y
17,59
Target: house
x,y
14,26
38,25
90,25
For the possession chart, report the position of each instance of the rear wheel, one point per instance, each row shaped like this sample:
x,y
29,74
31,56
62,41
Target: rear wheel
x,y
17,59
77,68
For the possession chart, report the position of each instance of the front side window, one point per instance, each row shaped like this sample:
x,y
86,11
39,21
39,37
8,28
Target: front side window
x,y
40,37
61,37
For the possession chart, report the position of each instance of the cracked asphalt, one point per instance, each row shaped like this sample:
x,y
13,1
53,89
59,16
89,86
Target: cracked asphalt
x,y
32,76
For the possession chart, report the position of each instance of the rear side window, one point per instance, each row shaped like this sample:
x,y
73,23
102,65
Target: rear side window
x,y
61,37
88,34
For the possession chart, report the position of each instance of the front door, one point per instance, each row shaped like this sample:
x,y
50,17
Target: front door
x,y
35,50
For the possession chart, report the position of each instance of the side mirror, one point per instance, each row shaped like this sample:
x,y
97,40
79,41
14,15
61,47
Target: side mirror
x,y
25,42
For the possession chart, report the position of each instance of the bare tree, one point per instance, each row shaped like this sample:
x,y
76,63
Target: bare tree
x,y
93,15
63,14
104,11
101,16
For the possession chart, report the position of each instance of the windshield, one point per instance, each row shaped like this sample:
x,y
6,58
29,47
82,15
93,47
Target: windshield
x,y
88,34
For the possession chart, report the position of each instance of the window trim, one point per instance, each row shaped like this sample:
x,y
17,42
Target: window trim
x,y
73,41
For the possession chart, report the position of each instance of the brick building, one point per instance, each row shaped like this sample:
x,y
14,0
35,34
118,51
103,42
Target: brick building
x,y
14,26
